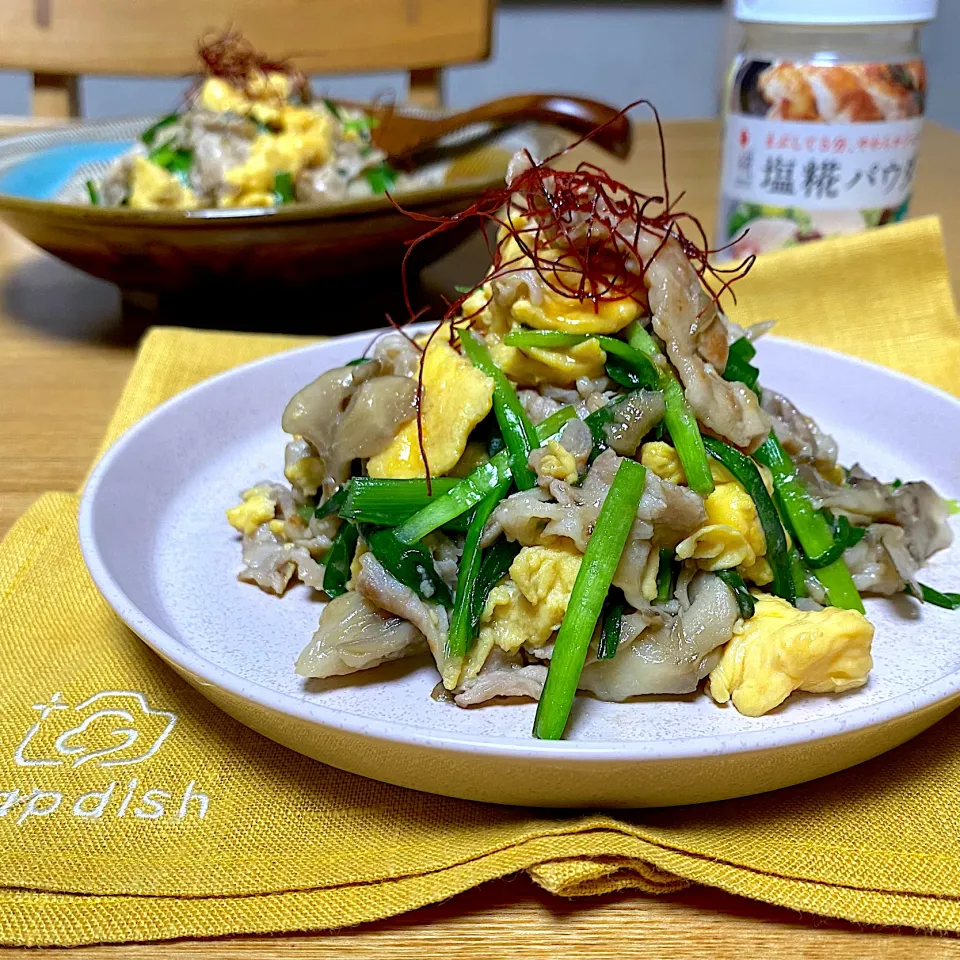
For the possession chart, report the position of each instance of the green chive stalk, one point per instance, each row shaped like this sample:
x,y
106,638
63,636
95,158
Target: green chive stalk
x,y
809,525
337,564
679,418
474,487
515,426
640,364
586,601
388,503
461,627
748,476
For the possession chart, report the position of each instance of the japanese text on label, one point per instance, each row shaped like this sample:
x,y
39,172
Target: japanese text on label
x,y
843,166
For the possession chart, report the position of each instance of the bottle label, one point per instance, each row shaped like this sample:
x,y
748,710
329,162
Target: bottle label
x,y
813,150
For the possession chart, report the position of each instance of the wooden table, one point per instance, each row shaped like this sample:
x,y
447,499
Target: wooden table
x,y
63,359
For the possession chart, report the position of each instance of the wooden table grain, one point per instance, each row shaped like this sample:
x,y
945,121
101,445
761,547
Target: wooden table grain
x,y
65,352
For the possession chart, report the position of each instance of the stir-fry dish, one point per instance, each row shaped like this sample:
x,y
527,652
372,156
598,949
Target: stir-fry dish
x,y
580,481
248,135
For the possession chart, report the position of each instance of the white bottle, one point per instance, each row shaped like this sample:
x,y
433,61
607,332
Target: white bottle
x,y
823,108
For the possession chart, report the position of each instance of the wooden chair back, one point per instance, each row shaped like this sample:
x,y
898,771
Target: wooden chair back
x,y
58,40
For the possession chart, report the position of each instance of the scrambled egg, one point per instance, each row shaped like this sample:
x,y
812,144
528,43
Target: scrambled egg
x,y
456,397
569,314
306,474
478,306
533,366
299,137
527,606
717,546
264,99
558,462
648,578
482,308
256,508
661,459
730,504
153,188
575,316
554,312
305,140
781,649
758,572
530,367
733,535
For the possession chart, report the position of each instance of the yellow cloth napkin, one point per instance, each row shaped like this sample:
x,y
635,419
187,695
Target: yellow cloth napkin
x,y
215,830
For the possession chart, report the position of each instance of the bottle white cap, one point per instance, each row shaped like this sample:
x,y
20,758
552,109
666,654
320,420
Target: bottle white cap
x,y
835,12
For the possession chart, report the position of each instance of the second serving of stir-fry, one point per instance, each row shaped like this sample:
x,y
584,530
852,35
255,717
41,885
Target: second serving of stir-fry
x,y
250,134
580,480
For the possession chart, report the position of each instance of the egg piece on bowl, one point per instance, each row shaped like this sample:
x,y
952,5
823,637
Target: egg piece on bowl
x,y
255,508
264,98
306,474
661,459
505,301
717,546
153,188
298,137
549,308
530,367
456,397
562,367
733,535
570,315
759,572
558,462
781,649
732,505
305,139
529,604
664,461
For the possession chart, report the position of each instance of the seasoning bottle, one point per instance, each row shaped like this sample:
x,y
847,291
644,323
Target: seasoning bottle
x,y
823,107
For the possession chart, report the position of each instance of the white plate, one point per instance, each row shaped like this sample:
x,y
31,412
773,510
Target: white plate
x,y
154,536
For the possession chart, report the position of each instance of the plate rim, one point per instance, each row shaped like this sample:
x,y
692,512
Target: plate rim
x,y
175,651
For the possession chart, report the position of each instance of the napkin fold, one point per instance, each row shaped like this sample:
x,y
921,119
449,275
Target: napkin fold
x,y
132,809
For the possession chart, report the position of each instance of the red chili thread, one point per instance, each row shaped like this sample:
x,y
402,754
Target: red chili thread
x,y
540,210
231,57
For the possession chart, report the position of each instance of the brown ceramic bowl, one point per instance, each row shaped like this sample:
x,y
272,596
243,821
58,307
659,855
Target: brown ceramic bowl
x,y
41,185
